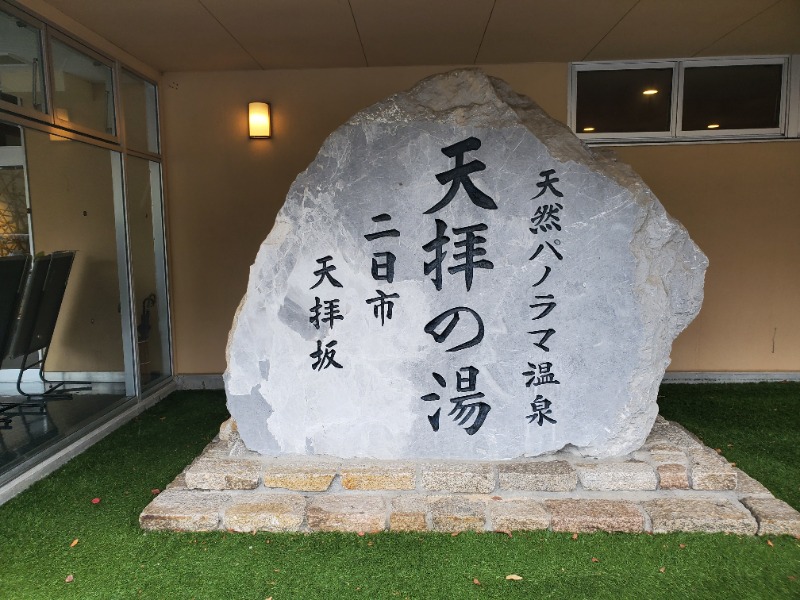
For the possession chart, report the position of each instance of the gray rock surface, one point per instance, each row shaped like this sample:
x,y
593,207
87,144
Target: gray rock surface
x,y
590,282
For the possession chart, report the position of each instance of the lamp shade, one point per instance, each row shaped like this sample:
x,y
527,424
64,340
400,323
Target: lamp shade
x,y
260,120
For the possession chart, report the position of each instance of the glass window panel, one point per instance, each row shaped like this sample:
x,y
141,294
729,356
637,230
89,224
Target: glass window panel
x,y
145,234
21,73
732,97
83,92
141,113
14,231
621,101
74,189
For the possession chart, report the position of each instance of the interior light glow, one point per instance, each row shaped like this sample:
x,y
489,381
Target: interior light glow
x,y
650,92
260,120
713,126
588,129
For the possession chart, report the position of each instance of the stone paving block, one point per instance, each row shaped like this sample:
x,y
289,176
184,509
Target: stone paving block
x,y
408,513
346,512
672,477
458,513
518,514
699,514
710,471
223,474
539,476
667,432
379,476
664,453
458,477
616,476
774,517
299,477
265,512
227,428
218,448
595,515
184,510
178,483
746,485
239,450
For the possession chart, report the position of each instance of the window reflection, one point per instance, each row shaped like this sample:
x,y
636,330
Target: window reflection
x,y
76,200
21,73
732,97
139,109
620,101
14,237
147,265
83,92
73,187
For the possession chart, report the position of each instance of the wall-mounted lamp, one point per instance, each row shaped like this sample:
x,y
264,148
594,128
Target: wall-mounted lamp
x,y
260,120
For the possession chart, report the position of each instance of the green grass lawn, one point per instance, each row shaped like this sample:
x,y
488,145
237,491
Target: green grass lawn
x,y
755,425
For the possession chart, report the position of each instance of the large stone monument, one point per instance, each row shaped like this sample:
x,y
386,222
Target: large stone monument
x,y
456,275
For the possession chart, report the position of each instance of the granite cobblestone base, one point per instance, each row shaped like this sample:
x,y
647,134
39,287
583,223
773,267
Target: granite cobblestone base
x,y
674,483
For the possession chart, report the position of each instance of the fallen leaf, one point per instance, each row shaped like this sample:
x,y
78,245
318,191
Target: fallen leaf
x,y
792,578
369,543
662,570
74,543
508,533
574,536
682,546
496,498
718,450
513,577
69,578
595,560
454,534
360,534
770,544
155,491
476,582
95,500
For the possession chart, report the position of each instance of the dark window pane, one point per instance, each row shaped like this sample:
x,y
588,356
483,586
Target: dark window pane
x,y
629,100
732,97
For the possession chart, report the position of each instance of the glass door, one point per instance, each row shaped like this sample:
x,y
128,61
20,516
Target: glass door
x,y
148,270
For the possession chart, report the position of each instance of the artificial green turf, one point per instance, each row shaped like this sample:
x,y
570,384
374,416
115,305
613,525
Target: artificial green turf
x,y
115,559
755,425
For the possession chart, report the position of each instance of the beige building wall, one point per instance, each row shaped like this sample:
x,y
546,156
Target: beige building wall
x,y
740,202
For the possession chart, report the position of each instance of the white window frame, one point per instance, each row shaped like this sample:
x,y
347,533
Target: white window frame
x,y
789,115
